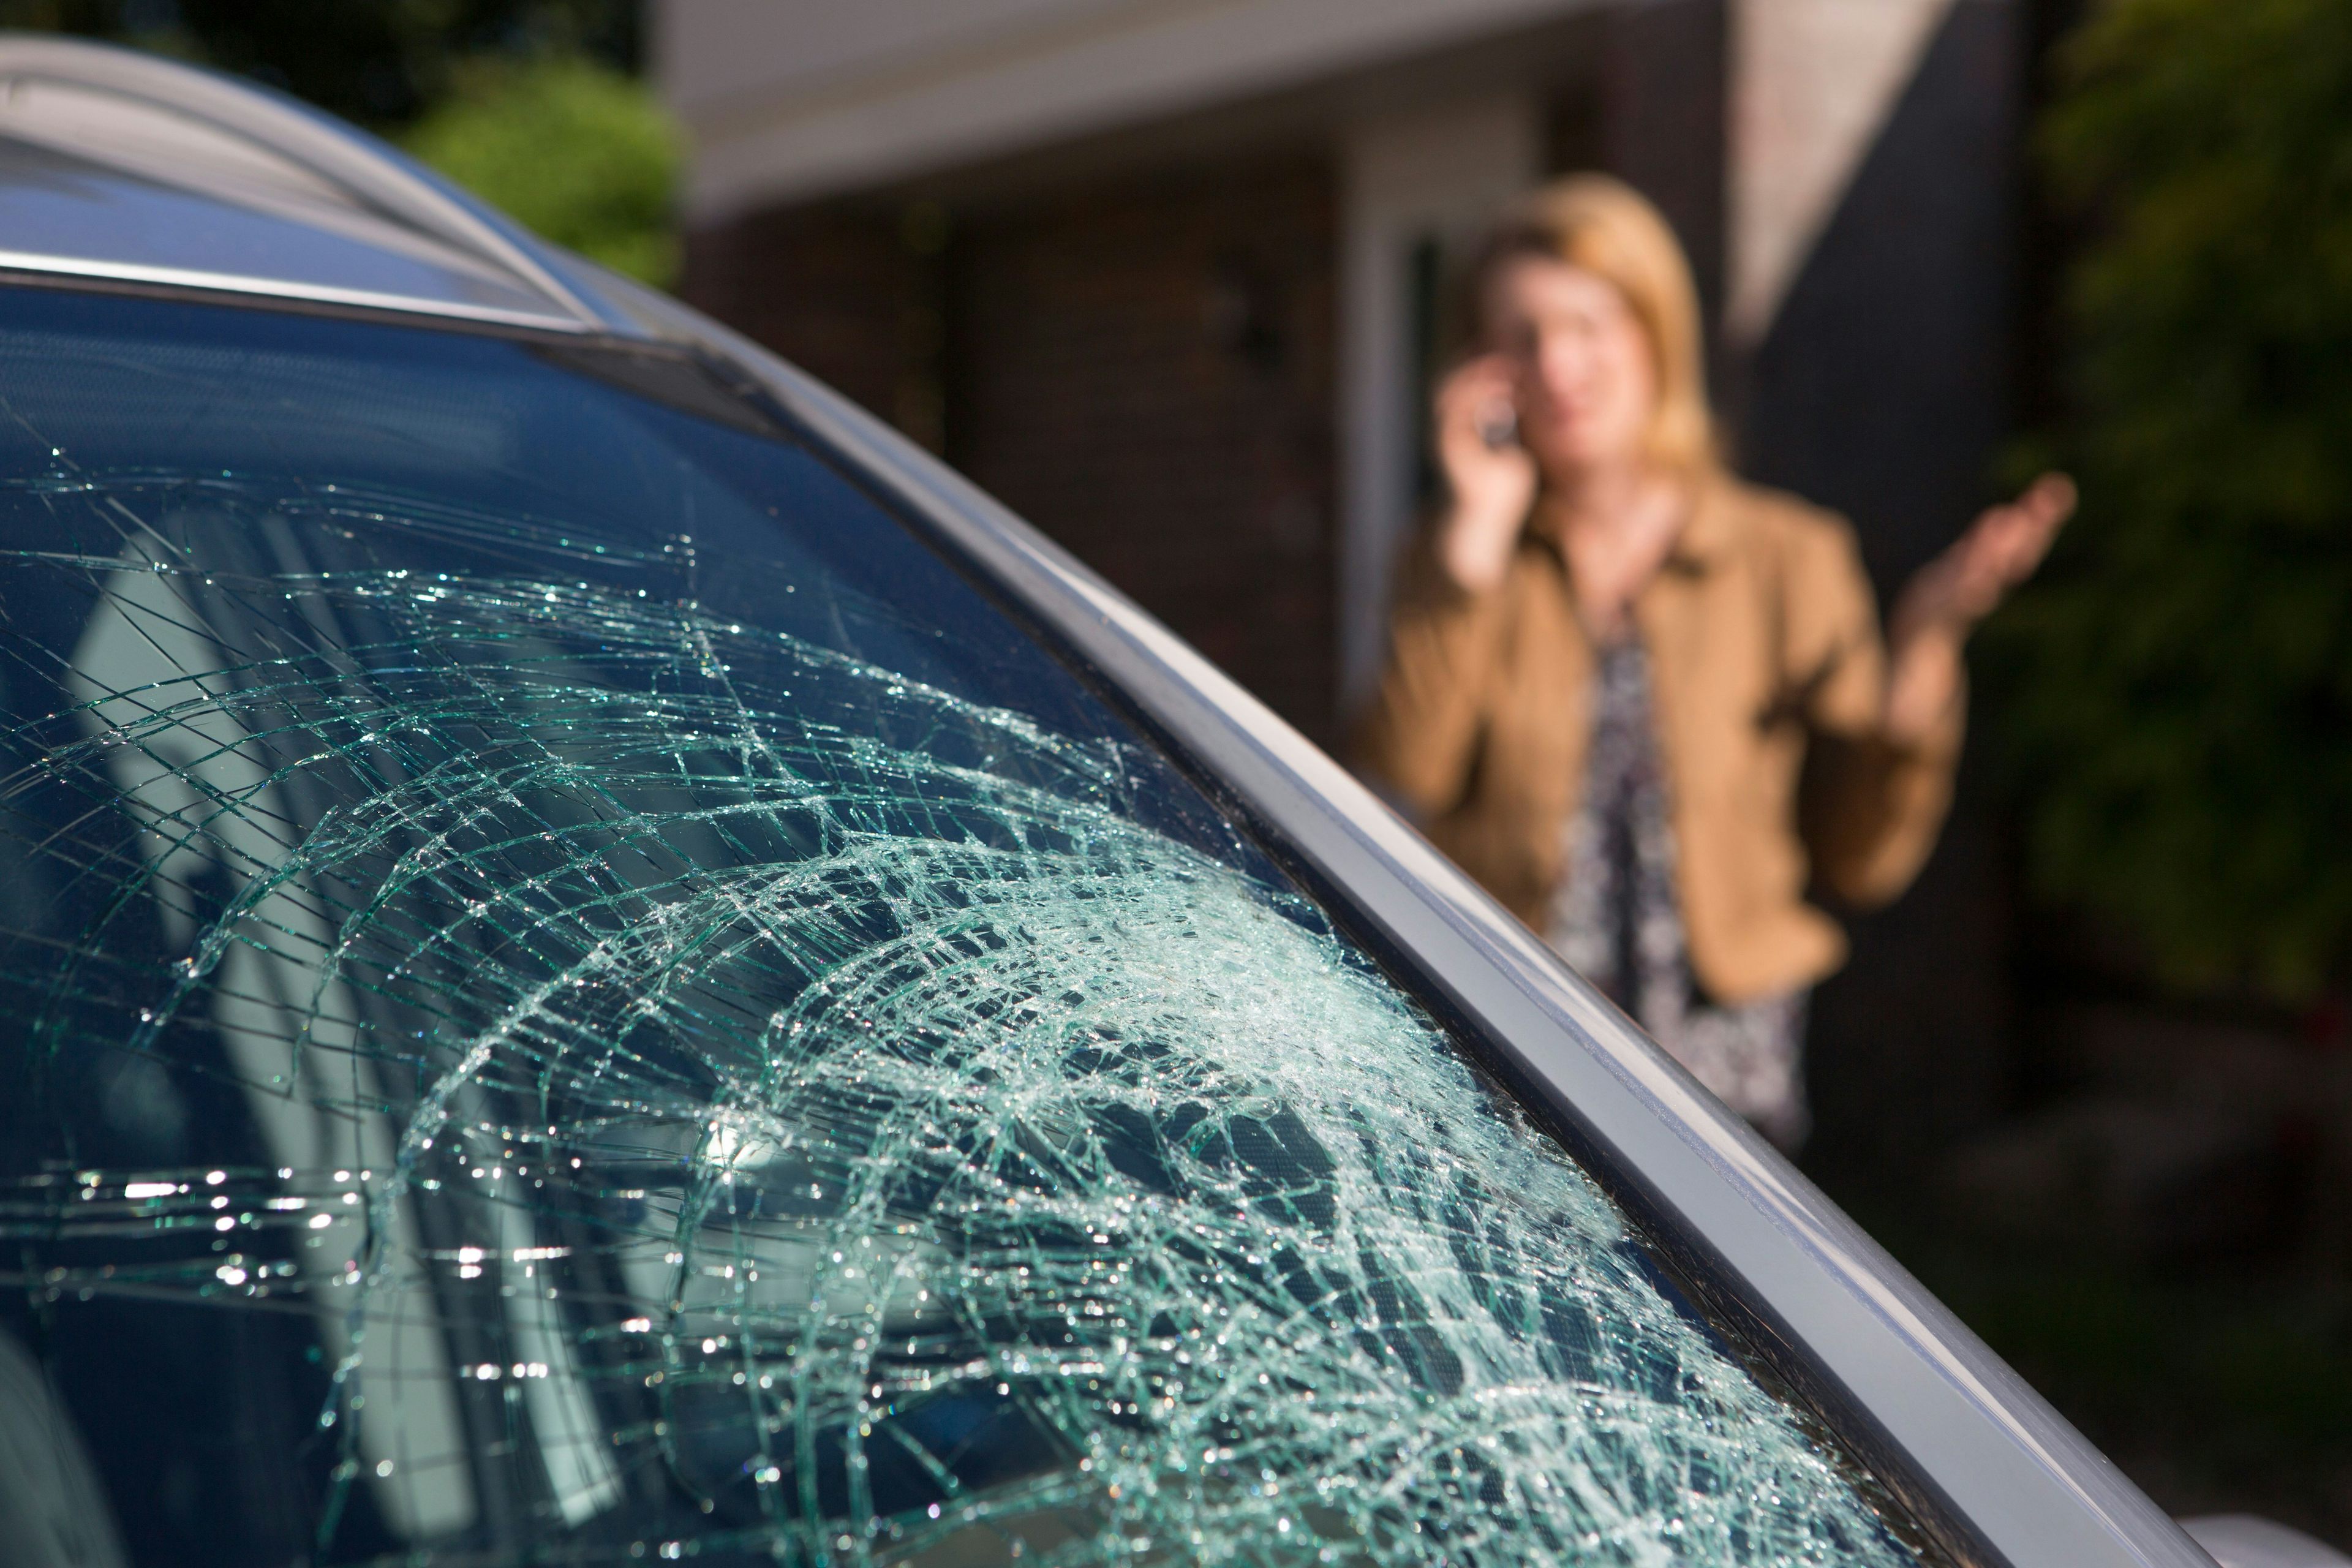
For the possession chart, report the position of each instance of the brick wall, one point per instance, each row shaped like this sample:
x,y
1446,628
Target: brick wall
x,y
1141,366
847,292
1144,370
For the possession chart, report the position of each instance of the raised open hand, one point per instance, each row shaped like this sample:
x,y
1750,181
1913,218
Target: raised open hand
x,y
1952,593
2000,550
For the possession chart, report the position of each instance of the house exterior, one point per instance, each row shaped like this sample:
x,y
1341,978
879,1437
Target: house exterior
x,y
1171,278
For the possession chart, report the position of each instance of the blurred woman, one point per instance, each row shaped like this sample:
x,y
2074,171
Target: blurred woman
x,y
1645,704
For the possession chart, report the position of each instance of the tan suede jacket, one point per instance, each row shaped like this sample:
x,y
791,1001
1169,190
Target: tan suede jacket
x,y
1768,673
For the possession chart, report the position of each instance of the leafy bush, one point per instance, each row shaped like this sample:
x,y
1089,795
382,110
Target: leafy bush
x,y
572,149
2181,681
382,63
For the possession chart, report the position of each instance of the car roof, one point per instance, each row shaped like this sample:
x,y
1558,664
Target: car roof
x,y
120,170
122,166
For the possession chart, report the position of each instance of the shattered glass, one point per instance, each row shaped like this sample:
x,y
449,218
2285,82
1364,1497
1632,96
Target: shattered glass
x,y
575,995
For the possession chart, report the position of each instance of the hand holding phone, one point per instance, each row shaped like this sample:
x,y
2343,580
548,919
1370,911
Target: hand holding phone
x,y
1490,477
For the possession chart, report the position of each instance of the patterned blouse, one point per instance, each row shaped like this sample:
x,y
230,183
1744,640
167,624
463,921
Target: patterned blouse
x,y
1616,920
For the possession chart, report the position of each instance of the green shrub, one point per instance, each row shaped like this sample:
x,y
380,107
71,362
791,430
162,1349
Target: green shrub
x,y
571,149
2179,685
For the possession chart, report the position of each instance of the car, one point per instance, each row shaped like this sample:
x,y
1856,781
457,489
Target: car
x,y
605,962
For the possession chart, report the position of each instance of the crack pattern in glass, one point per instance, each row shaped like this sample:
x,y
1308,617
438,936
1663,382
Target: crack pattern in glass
x,y
704,1093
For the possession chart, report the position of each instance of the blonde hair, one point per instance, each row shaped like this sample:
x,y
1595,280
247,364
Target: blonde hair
x,y
1604,227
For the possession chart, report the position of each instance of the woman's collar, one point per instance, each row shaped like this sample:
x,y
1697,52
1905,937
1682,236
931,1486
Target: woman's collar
x,y
1707,533
1710,529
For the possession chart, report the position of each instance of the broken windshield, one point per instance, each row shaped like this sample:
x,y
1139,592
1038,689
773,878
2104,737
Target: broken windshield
x,y
574,994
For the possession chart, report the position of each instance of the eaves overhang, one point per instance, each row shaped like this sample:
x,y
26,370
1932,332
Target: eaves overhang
x,y
793,102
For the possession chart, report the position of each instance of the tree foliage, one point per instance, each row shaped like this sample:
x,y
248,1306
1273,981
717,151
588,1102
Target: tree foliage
x,y
570,148
530,103
382,63
2181,681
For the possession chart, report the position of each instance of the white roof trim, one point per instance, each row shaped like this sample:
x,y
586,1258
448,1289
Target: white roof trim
x,y
280,289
